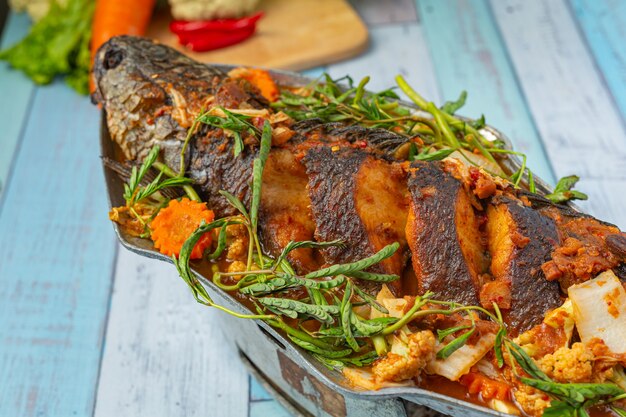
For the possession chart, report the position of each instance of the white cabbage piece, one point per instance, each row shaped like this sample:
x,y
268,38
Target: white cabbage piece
x,y
394,305
504,407
460,362
600,311
562,317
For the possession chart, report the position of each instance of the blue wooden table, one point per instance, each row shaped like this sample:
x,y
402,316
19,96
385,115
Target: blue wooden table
x,y
87,328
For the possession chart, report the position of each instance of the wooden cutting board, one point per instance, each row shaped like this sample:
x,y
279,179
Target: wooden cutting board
x,y
293,34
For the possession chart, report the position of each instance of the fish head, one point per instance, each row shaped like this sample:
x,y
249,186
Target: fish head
x,y
150,94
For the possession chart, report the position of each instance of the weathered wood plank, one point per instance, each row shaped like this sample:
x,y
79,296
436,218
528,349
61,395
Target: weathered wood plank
x,y
604,26
376,12
13,84
164,353
574,112
267,408
468,54
56,258
257,392
394,49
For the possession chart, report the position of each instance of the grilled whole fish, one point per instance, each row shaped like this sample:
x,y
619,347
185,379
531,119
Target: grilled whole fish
x,y
471,239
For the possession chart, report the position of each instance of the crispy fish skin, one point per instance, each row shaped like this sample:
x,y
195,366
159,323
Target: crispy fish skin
x,y
443,234
213,168
520,240
587,247
344,208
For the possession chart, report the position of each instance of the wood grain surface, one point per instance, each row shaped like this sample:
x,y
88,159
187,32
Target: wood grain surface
x,y
574,112
56,259
292,35
157,333
603,24
470,56
16,91
550,75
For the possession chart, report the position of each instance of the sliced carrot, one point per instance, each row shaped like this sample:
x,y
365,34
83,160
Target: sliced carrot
x,y
259,78
488,388
176,222
118,17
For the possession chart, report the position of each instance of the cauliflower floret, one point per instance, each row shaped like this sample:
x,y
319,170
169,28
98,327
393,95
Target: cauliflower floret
x,y
532,401
237,249
237,266
396,368
237,241
573,364
211,9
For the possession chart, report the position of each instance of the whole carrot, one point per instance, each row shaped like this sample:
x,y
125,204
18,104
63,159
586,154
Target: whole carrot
x,y
118,17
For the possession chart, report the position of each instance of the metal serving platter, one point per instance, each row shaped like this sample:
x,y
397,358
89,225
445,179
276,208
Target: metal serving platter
x,y
301,383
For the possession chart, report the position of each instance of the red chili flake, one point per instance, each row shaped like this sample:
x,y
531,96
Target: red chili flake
x,y
474,173
159,112
258,122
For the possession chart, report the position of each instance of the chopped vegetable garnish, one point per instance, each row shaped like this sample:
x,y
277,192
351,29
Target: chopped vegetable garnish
x,y
259,78
176,222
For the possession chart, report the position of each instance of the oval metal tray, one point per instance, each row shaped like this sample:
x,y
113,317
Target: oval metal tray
x,y
310,388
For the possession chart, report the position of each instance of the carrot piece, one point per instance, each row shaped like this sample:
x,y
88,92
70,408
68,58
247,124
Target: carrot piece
x,y
118,17
488,388
176,222
259,78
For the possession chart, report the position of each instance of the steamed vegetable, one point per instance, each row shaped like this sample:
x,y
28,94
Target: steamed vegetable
x,y
460,362
600,311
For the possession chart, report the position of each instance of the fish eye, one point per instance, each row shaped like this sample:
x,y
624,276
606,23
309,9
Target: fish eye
x,y
113,58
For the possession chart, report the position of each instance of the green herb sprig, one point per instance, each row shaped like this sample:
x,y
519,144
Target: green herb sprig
x,y
235,123
564,190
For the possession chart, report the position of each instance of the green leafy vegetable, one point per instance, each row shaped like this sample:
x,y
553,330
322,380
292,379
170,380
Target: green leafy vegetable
x,y
158,185
370,276
293,308
304,244
563,191
451,107
370,300
57,45
442,334
455,345
350,268
437,155
340,363
257,173
136,175
325,353
346,313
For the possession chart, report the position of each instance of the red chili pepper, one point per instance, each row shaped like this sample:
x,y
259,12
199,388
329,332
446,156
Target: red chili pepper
x,y
205,35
